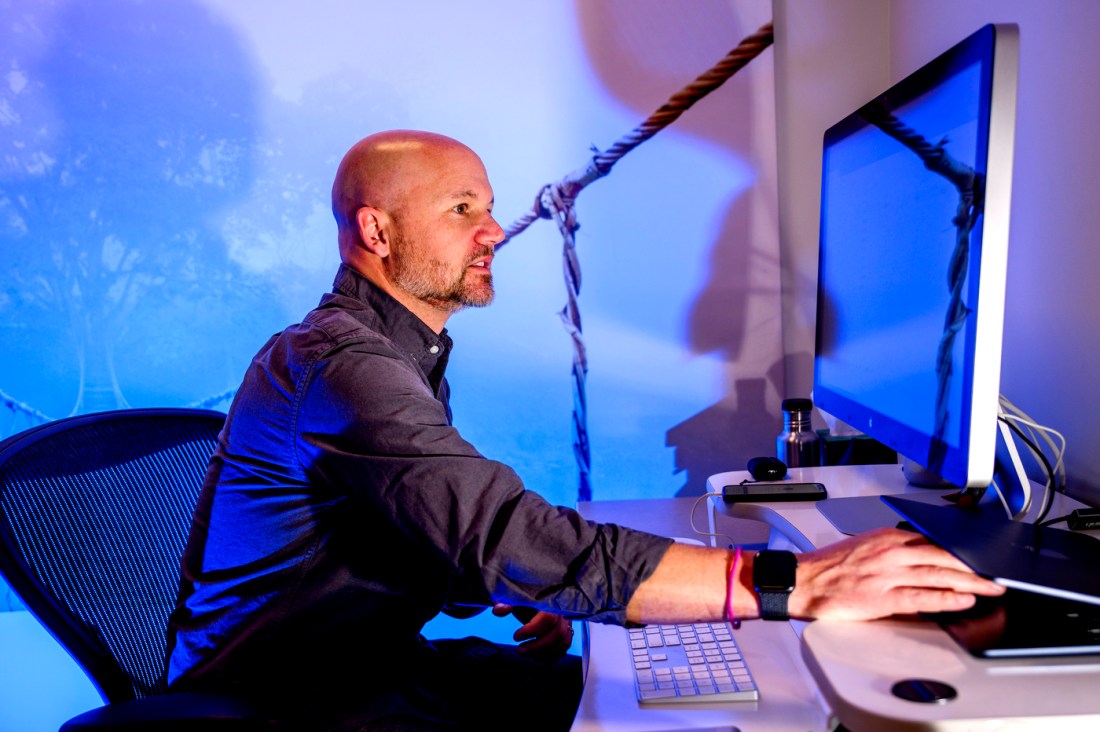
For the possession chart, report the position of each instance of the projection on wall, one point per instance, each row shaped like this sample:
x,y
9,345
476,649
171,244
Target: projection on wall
x,y
120,145
164,182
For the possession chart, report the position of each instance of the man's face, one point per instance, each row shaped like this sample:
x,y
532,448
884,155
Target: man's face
x,y
442,248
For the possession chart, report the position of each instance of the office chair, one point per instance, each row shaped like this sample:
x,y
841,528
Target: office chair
x,y
94,514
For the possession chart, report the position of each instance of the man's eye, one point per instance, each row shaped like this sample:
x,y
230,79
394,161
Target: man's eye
x,y
461,208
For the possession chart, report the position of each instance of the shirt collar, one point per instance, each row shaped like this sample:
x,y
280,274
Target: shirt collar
x,y
395,321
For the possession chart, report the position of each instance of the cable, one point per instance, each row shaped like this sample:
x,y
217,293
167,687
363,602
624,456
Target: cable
x,y
1048,493
1049,522
1011,411
1017,420
698,531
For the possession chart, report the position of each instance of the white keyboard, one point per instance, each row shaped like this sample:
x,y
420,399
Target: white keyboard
x,y
698,662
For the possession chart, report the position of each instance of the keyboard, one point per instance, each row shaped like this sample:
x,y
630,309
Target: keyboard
x,y
695,662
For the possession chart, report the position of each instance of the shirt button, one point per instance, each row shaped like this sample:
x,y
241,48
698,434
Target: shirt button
x,y
433,349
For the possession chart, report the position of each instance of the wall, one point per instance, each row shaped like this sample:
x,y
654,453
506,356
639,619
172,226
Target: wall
x,y
838,54
163,209
164,177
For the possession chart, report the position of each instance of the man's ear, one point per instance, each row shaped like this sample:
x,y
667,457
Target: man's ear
x,y
374,230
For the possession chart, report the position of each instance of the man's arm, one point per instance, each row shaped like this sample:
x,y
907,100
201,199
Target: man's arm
x,y
877,574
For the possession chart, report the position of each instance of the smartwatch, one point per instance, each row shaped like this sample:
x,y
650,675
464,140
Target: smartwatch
x,y
773,578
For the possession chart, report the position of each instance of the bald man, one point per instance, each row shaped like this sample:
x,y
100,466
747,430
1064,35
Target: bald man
x,y
342,510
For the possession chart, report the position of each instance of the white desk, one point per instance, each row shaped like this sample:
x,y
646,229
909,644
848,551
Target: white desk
x,y
855,664
836,670
787,697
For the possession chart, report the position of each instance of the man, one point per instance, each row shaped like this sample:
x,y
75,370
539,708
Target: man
x,y
342,510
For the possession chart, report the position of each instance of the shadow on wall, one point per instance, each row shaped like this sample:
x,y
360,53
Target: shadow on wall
x,y
643,52
128,126
707,442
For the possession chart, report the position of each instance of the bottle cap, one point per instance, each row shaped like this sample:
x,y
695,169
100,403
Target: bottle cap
x,y
797,405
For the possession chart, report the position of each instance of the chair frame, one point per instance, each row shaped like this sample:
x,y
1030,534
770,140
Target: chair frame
x,y
125,707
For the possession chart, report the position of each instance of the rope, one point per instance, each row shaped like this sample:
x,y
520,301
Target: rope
x,y
557,201
969,185
601,163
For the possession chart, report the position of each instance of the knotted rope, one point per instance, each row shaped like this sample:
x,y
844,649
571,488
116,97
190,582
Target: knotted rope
x,y
557,201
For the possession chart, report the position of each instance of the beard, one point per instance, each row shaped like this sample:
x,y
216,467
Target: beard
x,y
444,285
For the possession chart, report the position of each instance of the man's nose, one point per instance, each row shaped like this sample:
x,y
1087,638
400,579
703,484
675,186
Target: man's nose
x,y
491,232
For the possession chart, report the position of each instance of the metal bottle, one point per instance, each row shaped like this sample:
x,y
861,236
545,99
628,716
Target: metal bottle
x,y
798,445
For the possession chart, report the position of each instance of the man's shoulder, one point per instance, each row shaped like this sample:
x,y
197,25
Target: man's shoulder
x,y
329,329
341,345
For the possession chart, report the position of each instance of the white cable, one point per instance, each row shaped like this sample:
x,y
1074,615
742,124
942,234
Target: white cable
x,y
691,517
1059,451
1011,411
1055,475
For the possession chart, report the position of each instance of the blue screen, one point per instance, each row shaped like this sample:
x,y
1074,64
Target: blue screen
x,y
902,209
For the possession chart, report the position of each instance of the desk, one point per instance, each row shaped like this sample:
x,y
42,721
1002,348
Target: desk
x,y
787,697
807,673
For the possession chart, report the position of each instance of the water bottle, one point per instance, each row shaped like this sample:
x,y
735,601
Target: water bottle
x,y
798,445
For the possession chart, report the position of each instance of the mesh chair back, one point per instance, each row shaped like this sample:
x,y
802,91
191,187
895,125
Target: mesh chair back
x,y
94,515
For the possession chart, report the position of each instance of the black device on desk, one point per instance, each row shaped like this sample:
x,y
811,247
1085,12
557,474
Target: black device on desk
x,y
1052,607
767,468
1023,624
755,492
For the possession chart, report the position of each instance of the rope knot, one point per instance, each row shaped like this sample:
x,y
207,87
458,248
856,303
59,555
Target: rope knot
x,y
540,208
557,201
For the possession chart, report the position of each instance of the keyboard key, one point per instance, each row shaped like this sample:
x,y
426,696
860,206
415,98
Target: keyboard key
x,y
695,663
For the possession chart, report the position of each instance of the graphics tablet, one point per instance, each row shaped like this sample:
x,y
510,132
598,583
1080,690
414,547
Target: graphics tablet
x,y
1023,556
1052,606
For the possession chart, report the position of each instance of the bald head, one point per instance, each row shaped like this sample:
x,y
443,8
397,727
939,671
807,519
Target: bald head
x,y
414,212
382,168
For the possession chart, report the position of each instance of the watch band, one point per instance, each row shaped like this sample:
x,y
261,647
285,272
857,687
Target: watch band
x,y
773,605
773,577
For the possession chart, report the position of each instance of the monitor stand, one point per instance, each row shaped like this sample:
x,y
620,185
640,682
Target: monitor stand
x,y
1009,477
856,514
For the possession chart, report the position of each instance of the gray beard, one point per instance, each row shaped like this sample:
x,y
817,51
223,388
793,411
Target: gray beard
x,y
429,280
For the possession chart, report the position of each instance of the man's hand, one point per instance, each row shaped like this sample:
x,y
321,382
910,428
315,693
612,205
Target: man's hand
x,y
543,636
882,573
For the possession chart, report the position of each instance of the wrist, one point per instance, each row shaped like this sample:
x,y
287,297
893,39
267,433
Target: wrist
x,y
812,591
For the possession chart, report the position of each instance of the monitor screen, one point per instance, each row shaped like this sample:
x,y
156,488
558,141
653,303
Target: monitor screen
x,y
913,249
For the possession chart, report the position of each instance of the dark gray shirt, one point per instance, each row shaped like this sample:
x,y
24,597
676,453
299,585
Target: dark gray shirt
x,y
342,510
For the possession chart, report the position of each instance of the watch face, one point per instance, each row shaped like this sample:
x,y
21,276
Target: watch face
x,y
774,570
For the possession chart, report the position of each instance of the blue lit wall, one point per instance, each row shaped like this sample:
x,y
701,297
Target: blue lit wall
x,y
163,207
164,178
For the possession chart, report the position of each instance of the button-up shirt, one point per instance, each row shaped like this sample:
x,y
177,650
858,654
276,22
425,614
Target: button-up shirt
x,y
342,510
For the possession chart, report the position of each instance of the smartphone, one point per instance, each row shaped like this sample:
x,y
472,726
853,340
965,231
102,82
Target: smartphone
x,y
774,492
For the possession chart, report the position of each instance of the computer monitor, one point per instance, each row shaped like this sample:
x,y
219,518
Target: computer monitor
x,y
915,201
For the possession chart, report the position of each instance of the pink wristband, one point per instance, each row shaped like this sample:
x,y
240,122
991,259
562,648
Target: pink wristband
x,y
731,614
